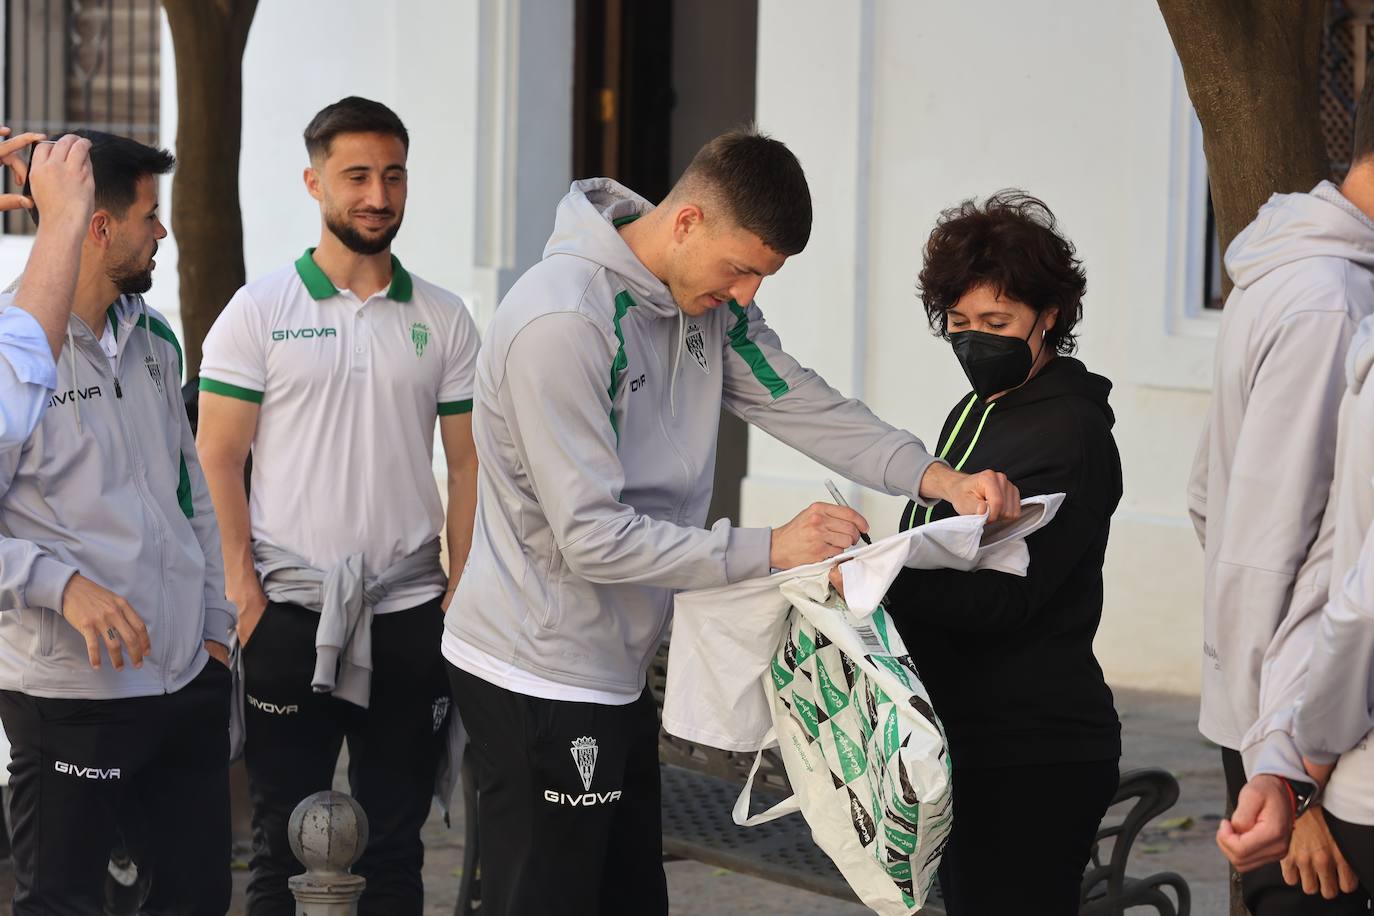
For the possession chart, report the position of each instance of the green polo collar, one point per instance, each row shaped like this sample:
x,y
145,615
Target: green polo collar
x,y
320,287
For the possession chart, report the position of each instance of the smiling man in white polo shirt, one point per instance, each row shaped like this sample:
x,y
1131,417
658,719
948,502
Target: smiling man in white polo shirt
x,y
333,372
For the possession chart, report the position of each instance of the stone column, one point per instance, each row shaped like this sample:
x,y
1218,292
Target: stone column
x,y
328,833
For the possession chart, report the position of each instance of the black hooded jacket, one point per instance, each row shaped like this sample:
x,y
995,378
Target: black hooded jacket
x,y
1009,660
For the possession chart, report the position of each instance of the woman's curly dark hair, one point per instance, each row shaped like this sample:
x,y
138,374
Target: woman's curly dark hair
x,y
1011,243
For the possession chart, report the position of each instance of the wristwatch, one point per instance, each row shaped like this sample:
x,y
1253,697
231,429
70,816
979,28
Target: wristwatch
x,y
1302,794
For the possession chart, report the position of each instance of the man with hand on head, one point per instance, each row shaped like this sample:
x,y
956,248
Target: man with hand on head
x,y
32,330
598,399
111,590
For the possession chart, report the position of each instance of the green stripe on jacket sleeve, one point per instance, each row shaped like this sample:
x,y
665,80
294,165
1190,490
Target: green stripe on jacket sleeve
x,y
623,303
230,391
752,355
450,408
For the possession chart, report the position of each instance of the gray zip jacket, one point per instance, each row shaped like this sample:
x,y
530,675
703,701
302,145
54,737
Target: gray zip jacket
x,y
1335,709
344,598
595,418
108,485
1263,469
1325,663
1335,714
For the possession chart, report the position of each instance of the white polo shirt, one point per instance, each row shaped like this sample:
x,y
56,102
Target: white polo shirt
x,y
349,392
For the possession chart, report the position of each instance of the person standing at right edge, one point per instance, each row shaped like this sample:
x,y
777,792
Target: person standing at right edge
x,y
1325,738
598,400
1260,488
333,371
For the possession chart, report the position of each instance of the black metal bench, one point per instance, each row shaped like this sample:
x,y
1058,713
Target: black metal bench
x,y
700,785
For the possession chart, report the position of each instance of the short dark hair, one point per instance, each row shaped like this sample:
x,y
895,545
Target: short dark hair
x,y
760,184
1364,122
1011,243
117,164
352,115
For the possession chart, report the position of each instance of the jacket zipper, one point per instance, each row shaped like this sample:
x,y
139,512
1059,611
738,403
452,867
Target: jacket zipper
x,y
666,609
672,443
150,509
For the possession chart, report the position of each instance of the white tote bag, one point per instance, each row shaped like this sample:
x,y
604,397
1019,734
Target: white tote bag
x,y
864,751
784,660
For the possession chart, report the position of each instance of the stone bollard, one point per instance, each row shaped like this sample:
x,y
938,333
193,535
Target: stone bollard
x,y
328,833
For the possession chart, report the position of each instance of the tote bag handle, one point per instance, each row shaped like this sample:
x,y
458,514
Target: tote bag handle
x,y
788,805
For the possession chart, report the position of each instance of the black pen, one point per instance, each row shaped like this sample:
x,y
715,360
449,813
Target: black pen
x,y
839,501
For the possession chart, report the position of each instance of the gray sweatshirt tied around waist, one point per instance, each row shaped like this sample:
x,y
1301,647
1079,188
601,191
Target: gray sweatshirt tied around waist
x,y
344,598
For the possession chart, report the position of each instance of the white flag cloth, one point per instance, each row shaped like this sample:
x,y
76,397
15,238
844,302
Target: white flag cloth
x,y
724,638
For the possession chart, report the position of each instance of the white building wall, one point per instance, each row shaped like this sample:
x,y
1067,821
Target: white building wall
x,y
485,90
898,110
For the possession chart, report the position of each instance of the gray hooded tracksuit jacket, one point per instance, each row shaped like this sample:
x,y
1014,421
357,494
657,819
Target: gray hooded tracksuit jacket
x,y
1324,712
1260,482
595,419
108,485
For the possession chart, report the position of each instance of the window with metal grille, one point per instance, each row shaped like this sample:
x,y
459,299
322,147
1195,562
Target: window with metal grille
x,y
81,63
1345,61
1347,51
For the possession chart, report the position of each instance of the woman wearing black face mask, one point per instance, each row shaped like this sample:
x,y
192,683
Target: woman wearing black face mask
x,y
1008,661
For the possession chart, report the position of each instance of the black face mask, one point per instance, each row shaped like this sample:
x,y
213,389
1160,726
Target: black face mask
x,y
993,362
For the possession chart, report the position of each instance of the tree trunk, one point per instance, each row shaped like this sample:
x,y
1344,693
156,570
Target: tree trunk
x,y
1253,70
208,38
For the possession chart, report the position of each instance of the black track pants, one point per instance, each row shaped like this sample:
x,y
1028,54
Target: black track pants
x,y
568,803
294,736
1022,837
152,770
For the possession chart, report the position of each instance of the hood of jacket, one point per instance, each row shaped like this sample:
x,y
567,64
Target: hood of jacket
x,y
1293,227
1062,376
586,225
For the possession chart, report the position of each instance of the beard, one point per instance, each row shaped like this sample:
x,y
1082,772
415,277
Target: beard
x,y
131,277
690,305
681,298
355,241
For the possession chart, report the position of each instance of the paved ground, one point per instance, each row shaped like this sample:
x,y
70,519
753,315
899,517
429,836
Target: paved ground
x,y
1160,731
